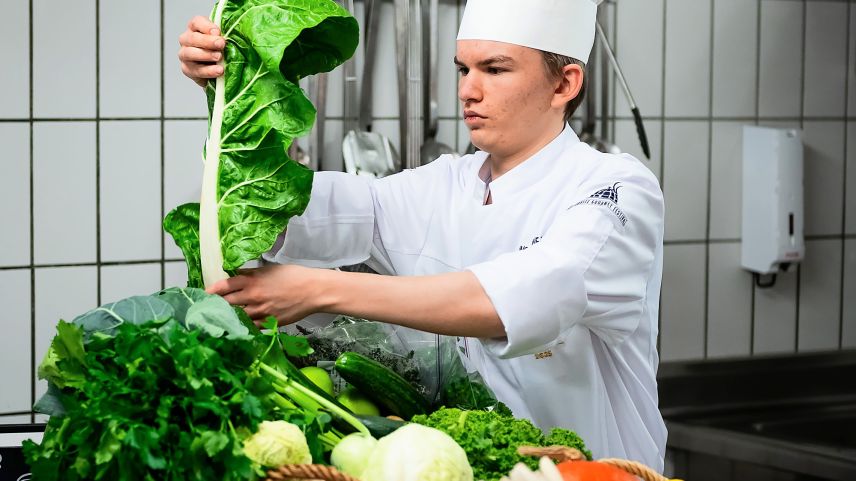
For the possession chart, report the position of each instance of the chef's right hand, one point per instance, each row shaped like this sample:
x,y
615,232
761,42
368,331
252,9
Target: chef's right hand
x,y
201,50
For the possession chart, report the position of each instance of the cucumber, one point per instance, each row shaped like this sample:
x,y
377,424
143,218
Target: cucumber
x,y
381,384
380,426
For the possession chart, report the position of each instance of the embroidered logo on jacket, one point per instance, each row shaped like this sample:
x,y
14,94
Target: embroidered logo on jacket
x,y
608,198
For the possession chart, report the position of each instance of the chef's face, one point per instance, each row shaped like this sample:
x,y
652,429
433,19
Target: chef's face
x,y
508,101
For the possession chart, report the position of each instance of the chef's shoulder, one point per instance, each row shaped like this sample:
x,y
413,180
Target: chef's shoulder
x,y
617,183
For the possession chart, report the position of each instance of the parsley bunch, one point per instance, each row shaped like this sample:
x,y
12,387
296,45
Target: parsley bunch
x,y
167,387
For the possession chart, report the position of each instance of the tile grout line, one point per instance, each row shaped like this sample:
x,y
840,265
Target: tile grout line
x,y
88,264
679,118
752,321
709,169
802,127
162,125
844,185
32,236
98,150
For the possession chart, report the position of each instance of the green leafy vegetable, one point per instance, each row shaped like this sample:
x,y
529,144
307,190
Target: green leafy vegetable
x,y
491,439
172,397
250,188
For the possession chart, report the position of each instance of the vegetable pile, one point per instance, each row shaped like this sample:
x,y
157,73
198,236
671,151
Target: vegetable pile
x,y
171,386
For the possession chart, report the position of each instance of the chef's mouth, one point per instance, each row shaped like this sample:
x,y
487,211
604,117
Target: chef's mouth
x,y
472,116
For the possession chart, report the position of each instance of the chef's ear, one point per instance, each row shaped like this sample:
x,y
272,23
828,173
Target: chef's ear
x,y
570,84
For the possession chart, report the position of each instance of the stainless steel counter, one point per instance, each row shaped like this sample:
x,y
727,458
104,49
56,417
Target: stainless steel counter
x,y
779,418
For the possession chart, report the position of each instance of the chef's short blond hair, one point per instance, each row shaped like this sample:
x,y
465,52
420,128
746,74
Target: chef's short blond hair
x,y
554,63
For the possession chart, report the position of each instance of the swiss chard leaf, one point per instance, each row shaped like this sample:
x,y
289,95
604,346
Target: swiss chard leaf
x,y
270,45
182,223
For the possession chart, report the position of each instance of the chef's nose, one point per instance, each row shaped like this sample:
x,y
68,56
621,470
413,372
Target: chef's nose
x,y
470,88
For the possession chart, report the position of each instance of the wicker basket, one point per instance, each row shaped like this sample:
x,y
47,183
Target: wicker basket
x,y
316,472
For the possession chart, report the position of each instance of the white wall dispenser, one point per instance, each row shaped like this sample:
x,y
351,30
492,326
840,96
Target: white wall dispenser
x,y
772,238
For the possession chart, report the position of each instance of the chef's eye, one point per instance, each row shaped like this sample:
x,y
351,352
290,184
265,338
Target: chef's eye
x,y
463,70
494,70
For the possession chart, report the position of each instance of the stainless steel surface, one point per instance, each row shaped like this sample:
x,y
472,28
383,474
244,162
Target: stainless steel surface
x,y
431,148
320,91
372,17
366,152
784,417
402,56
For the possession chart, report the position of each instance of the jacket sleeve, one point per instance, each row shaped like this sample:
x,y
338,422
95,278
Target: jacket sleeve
x,y
349,218
591,268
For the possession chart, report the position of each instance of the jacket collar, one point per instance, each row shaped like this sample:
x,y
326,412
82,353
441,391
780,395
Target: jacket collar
x,y
528,172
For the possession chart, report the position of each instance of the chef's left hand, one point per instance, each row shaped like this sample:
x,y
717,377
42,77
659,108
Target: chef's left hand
x,y
283,291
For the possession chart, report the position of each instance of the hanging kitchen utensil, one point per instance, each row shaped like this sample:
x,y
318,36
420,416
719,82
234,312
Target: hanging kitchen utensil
x,y
366,152
637,117
596,66
318,96
431,148
402,56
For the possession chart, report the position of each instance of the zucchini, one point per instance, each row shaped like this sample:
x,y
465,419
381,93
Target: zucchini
x,y
380,426
381,384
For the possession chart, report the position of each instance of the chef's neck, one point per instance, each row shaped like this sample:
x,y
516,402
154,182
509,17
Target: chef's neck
x,y
502,162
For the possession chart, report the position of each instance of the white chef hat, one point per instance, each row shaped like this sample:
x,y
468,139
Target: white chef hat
x,y
565,27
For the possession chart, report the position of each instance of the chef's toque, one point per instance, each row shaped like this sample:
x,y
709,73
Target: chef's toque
x,y
565,27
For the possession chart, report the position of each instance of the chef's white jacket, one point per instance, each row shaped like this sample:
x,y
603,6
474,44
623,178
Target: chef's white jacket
x,y
569,252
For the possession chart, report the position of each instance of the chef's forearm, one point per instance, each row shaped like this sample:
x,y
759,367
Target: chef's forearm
x,y
452,304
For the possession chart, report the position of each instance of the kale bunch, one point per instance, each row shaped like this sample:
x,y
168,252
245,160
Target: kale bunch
x,y
491,439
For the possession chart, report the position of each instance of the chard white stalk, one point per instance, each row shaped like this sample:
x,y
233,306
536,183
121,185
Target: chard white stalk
x,y
209,227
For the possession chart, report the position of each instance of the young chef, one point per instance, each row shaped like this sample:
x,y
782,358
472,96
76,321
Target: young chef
x,y
543,255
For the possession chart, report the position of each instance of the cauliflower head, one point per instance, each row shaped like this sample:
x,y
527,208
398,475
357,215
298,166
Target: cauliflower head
x,y
277,443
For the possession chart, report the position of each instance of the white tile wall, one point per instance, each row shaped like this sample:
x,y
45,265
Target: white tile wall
x,y
685,179
781,75
183,142
332,153
64,192
775,316
182,98
729,309
823,176
4,420
175,274
61,293
15,194
627,139
848,318
130,183
447,72
63,58
688,59
851,77
15,343
825,58
119,282
735,58
726,183
639,49
820,296
682,303
850,192
130,53
15,81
